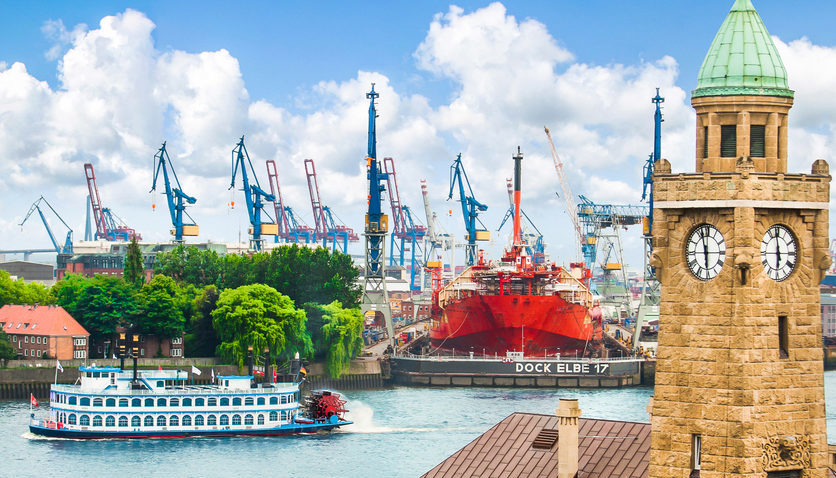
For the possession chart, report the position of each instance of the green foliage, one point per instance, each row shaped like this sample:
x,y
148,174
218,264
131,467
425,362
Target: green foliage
x,y
134,270
341,336
19,292
163,305
258,316
190,265
7,350
99,304
201,341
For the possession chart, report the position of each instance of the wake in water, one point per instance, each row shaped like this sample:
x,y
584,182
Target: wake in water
x,y
363,417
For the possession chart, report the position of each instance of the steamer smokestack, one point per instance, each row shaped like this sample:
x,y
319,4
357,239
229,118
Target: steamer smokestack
x,y
517,187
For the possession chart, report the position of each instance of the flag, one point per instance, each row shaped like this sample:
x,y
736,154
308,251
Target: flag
x,y
160,368
195,370
32,400
275,376
303,371
58,366
213,374
114,356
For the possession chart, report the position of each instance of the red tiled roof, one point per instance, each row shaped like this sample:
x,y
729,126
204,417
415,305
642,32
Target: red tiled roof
x,y
605,448
50,320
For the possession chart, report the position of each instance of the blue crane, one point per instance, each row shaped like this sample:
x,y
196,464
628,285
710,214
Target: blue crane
x,y
175,197
470,210
407,233
595,217
647,182
254,196
67,248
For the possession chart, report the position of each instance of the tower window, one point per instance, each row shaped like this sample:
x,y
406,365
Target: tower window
x,y
728,141
705,141
784,474
757,132
696,451
783,337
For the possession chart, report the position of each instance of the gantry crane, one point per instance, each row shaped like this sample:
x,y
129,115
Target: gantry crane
x,y
108,225
437,241
470,210
326,228
375,294
254,196
175,197
291,228
569,201
67,248
406,231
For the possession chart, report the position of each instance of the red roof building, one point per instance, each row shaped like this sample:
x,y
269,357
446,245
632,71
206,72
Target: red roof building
x,y
35,331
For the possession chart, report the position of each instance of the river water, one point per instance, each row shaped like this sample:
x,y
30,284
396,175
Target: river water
x,y
398,432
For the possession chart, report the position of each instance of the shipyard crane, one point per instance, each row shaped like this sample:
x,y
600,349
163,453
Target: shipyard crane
x,y
375,294
437,241
533,243
291,228
254,196
175,197
325,227
470,210
405,229
649,305
568,200
67,248
108,226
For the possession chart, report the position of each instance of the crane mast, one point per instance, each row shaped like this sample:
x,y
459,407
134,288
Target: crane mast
x,y
327,227
291,229
254,197
581,243
175,197
106,226
375,294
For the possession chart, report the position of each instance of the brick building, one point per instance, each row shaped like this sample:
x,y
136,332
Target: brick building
x,y
38,330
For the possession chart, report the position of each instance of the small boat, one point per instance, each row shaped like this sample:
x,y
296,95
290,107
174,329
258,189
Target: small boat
x,y
108,402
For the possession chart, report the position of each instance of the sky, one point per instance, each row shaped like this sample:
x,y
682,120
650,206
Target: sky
x,y
108,82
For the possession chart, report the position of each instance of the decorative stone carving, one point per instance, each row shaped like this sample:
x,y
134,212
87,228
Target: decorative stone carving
x,y
821,167
744,165
662,166
786,453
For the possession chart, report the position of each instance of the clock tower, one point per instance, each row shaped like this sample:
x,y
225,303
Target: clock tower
x,y
740,247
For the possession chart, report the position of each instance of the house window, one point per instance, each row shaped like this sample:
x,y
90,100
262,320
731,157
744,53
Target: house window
x,y
14,338
696,451
44,340
177,340
25,352
757,133
37,340
783,337
176,352
728,141
25,339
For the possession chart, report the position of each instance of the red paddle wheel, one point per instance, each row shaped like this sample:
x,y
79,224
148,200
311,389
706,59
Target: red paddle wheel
x,y
322,404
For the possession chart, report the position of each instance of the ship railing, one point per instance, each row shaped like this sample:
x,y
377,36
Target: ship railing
x,y
529,358
284,387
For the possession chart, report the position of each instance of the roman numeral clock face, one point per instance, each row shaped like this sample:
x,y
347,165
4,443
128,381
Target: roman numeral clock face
x,y
779,251
705,252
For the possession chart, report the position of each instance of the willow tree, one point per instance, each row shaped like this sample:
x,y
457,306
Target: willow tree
x,y
259,316
341,336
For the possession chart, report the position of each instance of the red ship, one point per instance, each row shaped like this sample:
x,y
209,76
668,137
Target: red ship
x,y
516,306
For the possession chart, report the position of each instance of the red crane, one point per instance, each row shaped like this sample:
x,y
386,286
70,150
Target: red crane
x,y
326,228
405,229
290,228
107,227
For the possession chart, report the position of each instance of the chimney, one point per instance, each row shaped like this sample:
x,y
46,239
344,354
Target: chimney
x,y
567,441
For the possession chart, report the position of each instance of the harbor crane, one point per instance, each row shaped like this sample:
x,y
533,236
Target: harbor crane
x,y
470,210
67,248
375,295
326,227
581,244
254,196
176,198
438,241
108,225
407,233
291,228
649,305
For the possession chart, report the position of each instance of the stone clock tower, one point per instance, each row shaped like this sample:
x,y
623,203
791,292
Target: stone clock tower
x,y
740,247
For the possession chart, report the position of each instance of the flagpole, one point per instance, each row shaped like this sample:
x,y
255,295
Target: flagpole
x,y
56,373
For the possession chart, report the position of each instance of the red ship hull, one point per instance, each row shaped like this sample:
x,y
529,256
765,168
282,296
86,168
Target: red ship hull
x,y
496,324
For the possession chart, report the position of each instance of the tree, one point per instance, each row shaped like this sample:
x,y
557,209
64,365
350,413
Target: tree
x,y
68,290
134,271
201,341
19,292
258,316
162,308
7,350
105,303
341,336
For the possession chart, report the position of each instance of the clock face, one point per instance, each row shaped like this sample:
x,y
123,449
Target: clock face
x,y
779,252
705,252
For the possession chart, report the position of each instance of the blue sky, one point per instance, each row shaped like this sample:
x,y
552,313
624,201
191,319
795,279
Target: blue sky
x,y
478,78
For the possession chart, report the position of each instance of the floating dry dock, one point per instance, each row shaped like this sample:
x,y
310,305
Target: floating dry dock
x,y
519,372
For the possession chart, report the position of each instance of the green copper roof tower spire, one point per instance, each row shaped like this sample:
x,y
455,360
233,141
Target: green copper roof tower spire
x,y
742,59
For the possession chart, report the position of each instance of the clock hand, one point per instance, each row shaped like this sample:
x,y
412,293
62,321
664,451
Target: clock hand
x,y
777,254
705,250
